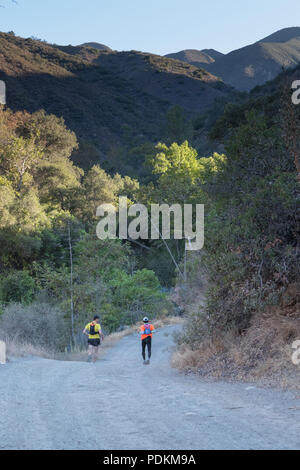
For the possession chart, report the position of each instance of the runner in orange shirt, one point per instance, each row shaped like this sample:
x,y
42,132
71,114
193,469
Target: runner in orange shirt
x,y
147,329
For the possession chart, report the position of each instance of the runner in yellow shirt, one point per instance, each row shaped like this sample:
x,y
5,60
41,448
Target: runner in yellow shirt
x,y
94,333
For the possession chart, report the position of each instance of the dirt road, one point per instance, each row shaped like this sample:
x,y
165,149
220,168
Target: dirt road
x,y
119,403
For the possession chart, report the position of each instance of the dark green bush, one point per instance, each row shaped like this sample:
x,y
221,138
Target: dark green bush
x,y
17,286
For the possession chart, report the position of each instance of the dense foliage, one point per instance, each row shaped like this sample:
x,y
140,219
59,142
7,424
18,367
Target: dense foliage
x,y
252,230
50,254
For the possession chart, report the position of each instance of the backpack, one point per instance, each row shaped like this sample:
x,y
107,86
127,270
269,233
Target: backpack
x,y
92,329
147,329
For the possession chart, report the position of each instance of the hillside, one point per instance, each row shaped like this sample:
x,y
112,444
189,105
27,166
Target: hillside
x,y
254,64
266,98
212,53
96,45
248,272
283,35
195,57
101,92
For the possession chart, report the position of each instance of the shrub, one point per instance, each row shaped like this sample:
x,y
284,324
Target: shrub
x,y
17,286
38,324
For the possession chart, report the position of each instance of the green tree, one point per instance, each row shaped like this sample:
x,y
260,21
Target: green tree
x,y
50,134
17,286
177,127
17,157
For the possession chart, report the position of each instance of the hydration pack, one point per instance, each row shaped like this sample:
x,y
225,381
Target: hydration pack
x,y
92,329
147,329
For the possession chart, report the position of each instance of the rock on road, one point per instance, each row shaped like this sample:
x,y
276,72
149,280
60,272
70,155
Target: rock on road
x,y
118,403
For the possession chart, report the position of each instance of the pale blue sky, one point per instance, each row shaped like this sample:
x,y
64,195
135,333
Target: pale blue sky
x,y
159,26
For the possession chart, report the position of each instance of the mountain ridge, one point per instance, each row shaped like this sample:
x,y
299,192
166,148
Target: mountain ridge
x,y
256,63
95,45
101,94
282,35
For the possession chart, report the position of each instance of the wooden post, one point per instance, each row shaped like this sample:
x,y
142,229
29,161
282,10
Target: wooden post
x,y
2,352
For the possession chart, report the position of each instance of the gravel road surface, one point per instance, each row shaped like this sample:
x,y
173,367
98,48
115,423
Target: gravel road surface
x,y
118,403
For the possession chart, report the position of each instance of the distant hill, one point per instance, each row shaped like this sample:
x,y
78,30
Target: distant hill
x,y
192,56
96,45
212,53
103,95
257,63
283,35
195,57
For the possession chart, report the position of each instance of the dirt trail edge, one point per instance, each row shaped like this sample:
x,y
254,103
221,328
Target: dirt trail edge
x,y
119,403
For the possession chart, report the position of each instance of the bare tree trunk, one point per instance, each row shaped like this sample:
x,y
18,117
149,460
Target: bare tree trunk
x,y
169,251
22,170
71,282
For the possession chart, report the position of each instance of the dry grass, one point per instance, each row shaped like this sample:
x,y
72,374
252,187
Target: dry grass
x,y
15,347
263,353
